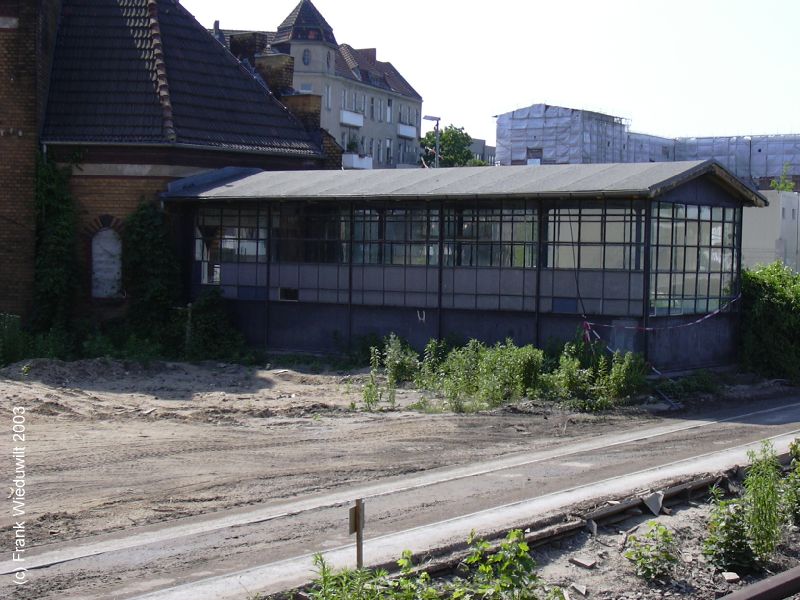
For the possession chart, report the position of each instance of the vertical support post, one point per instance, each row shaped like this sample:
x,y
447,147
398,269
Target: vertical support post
x,y
441,272
541,261
269,272
357,527
648,225
351,241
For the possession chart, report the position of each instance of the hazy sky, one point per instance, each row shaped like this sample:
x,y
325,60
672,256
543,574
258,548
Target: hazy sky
x,y
674,68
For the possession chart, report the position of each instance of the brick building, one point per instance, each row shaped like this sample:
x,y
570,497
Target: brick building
x,y
141,94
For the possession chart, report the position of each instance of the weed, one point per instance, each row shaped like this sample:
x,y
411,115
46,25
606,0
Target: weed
x,y
399,359
726,545
700,382
762,501
652,554
371,395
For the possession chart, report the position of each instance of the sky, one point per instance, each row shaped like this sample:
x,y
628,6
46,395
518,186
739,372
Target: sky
x,y
675,68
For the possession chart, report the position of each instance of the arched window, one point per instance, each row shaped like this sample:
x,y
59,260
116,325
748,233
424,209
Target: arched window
x,y
106,264
306,56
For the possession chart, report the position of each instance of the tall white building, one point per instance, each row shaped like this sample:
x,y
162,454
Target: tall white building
x,y
366,104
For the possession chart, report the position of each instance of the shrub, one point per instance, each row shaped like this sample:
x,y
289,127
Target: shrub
x,y
770,321
700,382
13,340
762,501
652,554
372,394
211,335
626,376
726,546
150,271
506,372
399,359
744,532
791,486
428,373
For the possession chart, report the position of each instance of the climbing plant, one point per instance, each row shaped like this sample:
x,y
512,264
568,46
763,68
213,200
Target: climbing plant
x,y
55,267
150,272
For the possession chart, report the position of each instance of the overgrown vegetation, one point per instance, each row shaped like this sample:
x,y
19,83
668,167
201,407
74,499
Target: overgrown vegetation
x,y
475,376
653,554
744,532
155,325
55,267
507,573
770,345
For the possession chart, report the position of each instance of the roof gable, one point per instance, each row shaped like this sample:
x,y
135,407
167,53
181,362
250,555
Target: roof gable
x,y
145,71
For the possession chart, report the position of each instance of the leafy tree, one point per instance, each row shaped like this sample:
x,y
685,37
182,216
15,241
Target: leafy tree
x,y
785,183
453,147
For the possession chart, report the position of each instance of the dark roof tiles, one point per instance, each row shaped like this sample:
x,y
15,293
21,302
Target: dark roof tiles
x,y
112,82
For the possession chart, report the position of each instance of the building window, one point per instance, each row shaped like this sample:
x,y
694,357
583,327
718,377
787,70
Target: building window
x,y
396,236
372,108
106,264
389,110
694,261
327,96
353,101
344,99
302,233
380,110
229,242
306,56
306,88
371,151
491,237
389,151
328,59
590,237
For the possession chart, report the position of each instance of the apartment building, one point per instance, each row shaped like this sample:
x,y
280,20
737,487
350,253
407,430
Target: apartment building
x,y
366,104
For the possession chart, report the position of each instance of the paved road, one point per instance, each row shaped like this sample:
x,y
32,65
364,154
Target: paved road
x,y
227,555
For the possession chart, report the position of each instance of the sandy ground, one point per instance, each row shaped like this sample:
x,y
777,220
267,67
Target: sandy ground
x,y
112,444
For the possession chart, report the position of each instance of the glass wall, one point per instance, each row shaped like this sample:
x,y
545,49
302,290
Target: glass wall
x,y
694,258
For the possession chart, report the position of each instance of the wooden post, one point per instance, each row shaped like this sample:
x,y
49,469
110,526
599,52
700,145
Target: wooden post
x,y
357,527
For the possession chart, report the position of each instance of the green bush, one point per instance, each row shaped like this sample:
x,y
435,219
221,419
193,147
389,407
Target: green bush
x,y
14,343
791,486
150,273
744,532
211,335
652,554
506,372
770,321
762,501
507,573
399,359
700,382
726,546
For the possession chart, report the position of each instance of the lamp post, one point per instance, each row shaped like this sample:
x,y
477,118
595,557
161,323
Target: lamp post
x,y
436,131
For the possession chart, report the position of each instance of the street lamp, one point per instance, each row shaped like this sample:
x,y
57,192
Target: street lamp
x,y
436,130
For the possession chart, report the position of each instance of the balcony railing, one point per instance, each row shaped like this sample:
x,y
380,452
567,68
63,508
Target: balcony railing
x,y
406,131
351,119
351,160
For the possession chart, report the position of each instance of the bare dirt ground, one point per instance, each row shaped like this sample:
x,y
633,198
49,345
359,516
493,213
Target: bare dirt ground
x,y
114,445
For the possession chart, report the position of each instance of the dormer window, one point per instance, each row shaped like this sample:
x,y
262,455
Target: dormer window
x,y
329,59
306,56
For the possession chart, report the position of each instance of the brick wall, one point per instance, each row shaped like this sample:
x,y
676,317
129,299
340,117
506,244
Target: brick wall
x,y
18,144
97,198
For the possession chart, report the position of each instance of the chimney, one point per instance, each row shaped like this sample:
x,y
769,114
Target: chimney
x,y
307,108
369,54
277,70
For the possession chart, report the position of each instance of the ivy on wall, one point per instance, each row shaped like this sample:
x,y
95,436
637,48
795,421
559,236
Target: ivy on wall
x,y
56,264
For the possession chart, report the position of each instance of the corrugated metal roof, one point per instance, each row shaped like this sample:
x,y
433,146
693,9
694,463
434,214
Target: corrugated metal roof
x,y
643,180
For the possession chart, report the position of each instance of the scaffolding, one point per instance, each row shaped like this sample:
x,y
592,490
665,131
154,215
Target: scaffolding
x,y
545,134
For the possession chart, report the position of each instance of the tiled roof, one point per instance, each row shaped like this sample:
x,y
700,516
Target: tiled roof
x,y
145,71
305,22
361,65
